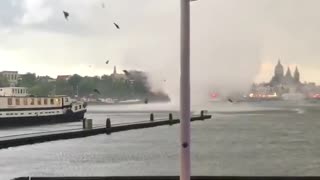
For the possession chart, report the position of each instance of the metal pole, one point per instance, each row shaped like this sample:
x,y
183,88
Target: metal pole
x,y
185,166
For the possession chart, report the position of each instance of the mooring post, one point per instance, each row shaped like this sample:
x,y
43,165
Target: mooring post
x,y
83,123
202,113
151,117
170,119
108,126
88,124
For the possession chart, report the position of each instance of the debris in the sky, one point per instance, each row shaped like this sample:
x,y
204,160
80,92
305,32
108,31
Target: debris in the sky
x,y
146,101
97,91
107,62
126,72
230,100
116,25
66,15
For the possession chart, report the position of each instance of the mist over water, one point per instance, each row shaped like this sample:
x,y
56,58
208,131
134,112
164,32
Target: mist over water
x,y
224,50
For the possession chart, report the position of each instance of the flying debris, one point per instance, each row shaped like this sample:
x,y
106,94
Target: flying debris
x,y
230,100
116,25
97,91
66,15
107,62
146,101
126,72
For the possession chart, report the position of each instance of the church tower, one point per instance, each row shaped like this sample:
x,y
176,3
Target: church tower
x,y
115,70
288,74
288,79
278,71
296,76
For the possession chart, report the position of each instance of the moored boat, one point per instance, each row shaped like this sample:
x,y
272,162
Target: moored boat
x,y
18,108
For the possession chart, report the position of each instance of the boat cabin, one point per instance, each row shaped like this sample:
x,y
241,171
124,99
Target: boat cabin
x,y
13,91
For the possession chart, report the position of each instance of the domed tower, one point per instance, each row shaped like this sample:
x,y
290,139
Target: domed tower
x,y
296,76
278,71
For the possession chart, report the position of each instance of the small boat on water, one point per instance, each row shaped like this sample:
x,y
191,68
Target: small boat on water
x,y
18,108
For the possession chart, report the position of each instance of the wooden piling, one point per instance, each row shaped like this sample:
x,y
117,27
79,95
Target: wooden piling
x,y
83,123
108,126
170,119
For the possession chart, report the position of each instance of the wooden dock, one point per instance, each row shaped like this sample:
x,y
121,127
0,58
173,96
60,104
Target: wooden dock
x,y
175,178
32,138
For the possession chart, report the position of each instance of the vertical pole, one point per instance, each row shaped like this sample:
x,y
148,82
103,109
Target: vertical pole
x,y
185,166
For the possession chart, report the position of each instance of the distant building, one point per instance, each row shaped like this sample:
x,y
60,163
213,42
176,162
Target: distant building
x,y
279,79
286,85
12,77
116,76
63,77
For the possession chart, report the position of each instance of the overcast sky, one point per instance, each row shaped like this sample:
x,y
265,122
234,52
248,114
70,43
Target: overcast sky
x,y
235,40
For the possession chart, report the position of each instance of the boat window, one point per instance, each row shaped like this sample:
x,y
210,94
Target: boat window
x,y
9,101
12,91
76,107
21,113
17,101
66,99
32,101
8,114
30,113
51,101
25,101
45,101
58,100
80,107
41,112
39,101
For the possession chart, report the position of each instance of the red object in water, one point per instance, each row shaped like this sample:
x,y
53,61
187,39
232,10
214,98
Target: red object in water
x,y
214,95
316,96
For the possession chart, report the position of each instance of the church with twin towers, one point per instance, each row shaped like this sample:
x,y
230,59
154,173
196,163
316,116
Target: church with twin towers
x,y
285,79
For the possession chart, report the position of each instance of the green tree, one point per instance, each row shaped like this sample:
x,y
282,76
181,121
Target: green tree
x,y
74,81
41,89
62,87
87,85
28,80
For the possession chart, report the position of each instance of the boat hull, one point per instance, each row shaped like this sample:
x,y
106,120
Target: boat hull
x,y
37,120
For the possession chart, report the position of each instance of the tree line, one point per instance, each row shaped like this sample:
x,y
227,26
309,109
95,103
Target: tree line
x,y
134,85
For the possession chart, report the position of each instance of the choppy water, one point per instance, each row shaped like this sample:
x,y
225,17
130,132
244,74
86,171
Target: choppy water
x,y
242,139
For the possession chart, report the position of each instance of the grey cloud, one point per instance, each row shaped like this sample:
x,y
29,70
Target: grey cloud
x,y
230,38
